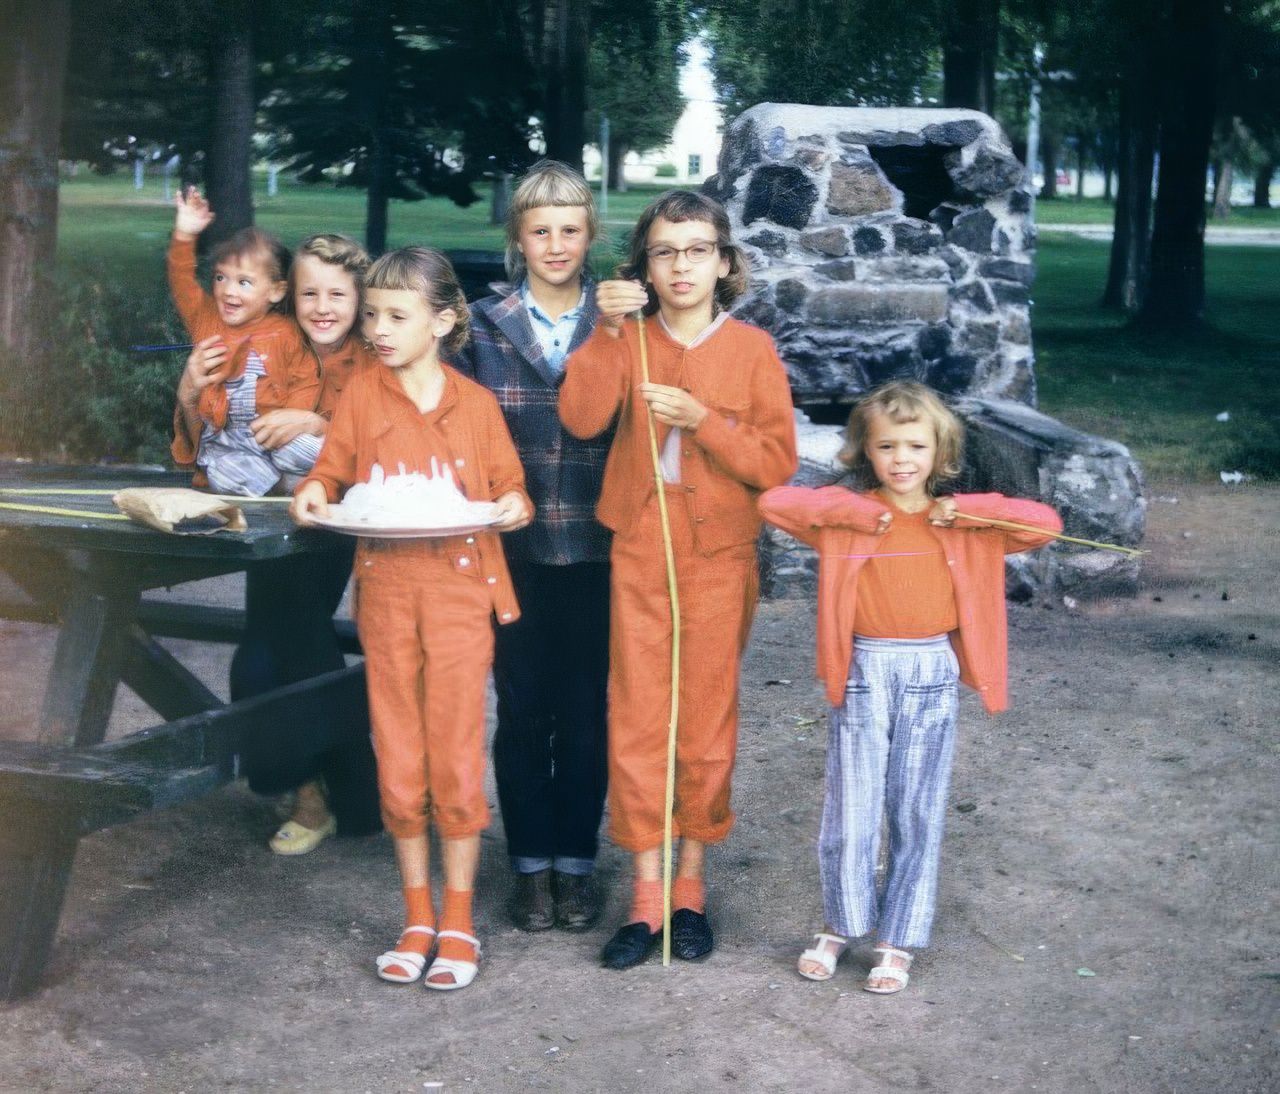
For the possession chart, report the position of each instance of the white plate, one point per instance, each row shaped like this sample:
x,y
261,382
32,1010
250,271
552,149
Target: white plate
x,y
337,521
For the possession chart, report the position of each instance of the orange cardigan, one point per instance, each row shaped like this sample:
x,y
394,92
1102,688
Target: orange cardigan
x,y
338,368
841,526
291,379
376,422
746,444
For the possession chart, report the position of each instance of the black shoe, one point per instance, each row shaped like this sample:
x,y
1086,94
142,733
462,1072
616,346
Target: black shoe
x,y
631,945
691,936
530,905
577,901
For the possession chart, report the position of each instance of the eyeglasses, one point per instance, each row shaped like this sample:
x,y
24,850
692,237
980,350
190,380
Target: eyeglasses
x,y
697,252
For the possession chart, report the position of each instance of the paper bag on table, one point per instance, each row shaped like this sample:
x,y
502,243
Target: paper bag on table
x,y
175,509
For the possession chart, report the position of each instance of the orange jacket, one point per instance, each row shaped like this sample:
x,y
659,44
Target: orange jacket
x,y
337,369
376,422
291,379
746,444
841,525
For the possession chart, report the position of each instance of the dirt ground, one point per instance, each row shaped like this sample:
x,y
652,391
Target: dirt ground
x,y
1107,918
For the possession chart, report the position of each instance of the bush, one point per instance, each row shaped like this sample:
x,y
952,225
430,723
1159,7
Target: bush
x,y
93,398
666,171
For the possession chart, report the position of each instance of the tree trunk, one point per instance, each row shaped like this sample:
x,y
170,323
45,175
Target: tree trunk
x,y
617,165
231,144
971,38
1107,175
1131,238
33,61
1080,169
1187,79
1049,157
566,81
376,41
500,201
1222,190
1262,185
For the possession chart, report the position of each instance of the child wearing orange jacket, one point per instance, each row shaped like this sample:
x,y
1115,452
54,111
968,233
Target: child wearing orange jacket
x,y
722,404
269,366
424,606
910,599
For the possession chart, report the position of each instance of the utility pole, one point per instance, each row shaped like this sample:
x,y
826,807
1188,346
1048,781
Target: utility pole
x,y
604,167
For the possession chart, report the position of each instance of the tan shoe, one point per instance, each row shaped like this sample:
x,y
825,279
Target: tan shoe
x,y
296,839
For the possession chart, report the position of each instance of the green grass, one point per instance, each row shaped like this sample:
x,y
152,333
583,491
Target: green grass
x,y
1068,209
1160,394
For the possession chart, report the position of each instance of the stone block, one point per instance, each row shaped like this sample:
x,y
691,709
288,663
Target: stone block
x,y
1009,292
859,188
1008,269
955,133
790,294
783,195
868,241
842,269
774,244
859,303
1017,325
905,268
973,231
976,294
830,241
933,342
916,237
991,170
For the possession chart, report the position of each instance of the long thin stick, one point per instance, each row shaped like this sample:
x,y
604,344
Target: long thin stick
x,y
50,510
279,499
674,595
1014,526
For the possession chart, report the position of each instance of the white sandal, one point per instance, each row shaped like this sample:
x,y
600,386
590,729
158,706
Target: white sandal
x,y
463,972
819,954
411,960
889,972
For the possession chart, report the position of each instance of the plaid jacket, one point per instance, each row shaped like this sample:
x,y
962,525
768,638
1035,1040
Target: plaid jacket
x,y
562,474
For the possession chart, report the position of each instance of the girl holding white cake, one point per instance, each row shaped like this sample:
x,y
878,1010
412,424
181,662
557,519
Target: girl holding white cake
x,y
423,606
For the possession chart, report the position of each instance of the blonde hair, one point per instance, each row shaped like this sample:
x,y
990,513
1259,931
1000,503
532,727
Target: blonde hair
x,y
430,274
332,249
547,182
679,206
903,401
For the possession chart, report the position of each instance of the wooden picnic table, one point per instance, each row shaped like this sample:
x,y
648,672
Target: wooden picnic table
x,y
89,576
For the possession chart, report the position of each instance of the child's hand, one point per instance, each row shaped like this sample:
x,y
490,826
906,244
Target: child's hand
x,y
674,406
308,503
943,512
194,214
615,300
206,365
882,523
513,512
277,427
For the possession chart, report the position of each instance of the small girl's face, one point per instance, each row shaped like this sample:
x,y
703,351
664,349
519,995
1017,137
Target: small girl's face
x,y
554,240
244,289
902,454
684,264
325,299
403,328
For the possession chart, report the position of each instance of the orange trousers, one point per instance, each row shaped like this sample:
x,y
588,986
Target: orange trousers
x,y
425,622
717,602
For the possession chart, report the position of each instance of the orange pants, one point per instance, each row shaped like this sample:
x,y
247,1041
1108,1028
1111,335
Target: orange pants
x,y
717,601
424,619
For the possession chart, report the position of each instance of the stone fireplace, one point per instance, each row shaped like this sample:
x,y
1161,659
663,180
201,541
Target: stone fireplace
x,y
892,243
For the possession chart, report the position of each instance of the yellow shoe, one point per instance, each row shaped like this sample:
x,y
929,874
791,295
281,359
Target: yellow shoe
x,y
296,839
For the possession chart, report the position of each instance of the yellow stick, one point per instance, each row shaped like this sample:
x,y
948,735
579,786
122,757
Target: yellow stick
x,y
1014,526
54,512
674,595
279,499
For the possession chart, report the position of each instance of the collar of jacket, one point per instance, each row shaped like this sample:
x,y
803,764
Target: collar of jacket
x,y
395,401
510,316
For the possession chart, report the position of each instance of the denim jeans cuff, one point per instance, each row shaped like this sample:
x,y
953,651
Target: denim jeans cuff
x,y
527,864
577,867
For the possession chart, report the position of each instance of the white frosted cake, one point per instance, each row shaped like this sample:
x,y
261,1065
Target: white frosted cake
x,y
413,500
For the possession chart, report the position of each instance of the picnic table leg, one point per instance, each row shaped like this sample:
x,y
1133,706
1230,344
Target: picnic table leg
x,y
87,660
37,848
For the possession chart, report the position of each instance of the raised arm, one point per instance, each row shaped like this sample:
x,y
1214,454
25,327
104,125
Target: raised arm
x,y
804,512
985,507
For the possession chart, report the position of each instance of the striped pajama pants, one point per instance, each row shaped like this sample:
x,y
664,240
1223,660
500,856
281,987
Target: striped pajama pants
x,y
889,751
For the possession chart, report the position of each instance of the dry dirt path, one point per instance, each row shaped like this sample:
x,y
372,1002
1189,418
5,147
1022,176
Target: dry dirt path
x,y
1120,821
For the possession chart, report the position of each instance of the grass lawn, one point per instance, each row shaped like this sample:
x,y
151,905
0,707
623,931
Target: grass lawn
x,y
1159,395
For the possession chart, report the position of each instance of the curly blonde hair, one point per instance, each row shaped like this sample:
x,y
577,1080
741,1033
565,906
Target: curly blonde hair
x,y
903,401
333,249
430,274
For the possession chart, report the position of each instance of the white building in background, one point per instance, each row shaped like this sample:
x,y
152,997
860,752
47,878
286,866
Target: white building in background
x,y
695,142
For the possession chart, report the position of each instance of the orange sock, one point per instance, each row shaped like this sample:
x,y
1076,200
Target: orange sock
x,y
456,916
417,913
646,904
689,892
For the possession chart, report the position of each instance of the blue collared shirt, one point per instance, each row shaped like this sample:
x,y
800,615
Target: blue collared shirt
x,y
554,335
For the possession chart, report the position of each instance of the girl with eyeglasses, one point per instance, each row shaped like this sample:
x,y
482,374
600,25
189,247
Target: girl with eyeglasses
x,y
722,407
